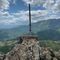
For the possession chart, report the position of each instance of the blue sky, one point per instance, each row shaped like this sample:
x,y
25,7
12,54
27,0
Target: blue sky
x,y
15,12
18,6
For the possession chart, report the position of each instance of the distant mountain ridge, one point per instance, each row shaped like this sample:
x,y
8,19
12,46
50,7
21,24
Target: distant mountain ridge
x,y
47,29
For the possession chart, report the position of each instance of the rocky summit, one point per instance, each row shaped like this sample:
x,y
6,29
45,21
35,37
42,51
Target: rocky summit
x,y
29,49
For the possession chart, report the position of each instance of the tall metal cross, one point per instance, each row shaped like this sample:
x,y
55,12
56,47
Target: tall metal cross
x,y
30,19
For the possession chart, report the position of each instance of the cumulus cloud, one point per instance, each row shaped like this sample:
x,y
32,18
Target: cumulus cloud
x,y
22,17
34,2
56,7
51,5
4,4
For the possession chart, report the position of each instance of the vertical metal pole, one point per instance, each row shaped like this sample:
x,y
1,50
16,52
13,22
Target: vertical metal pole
x,y
30,18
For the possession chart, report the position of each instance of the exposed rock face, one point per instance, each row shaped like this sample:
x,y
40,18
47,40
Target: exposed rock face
x,y
29,49
1,56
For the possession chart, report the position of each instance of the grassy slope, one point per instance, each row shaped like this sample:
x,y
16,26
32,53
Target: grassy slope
x,y
55,45
6,46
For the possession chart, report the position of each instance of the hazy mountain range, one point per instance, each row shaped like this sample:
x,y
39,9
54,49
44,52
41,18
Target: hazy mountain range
x,y
47,30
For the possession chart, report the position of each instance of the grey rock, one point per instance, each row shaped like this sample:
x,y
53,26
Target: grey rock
x,y
29,49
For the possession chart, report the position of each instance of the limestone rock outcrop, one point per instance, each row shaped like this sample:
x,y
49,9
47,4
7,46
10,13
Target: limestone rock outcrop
x,y
29,49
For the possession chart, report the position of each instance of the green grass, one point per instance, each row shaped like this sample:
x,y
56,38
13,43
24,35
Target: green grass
x,y
5,49
6,46
55,45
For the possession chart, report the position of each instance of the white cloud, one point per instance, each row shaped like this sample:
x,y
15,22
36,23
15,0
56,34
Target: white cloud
x,y
24,15
34,2
21,18
56,7
4,4
14,1
50,5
